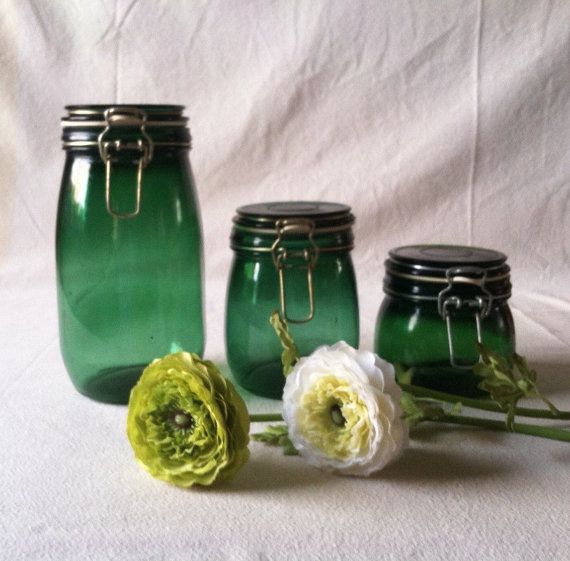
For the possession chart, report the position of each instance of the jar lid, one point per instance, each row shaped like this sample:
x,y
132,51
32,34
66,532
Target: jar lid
x,y
439,257
84,126
259,227
126,115
422,271
324,215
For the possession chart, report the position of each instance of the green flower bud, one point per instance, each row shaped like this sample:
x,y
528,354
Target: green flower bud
x,y
186,423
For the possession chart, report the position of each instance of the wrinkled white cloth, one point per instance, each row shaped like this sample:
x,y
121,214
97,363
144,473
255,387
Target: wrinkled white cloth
x,y
439,122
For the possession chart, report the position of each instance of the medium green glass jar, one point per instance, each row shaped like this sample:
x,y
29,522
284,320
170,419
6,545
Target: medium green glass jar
x,y
128,245
293,257
440,301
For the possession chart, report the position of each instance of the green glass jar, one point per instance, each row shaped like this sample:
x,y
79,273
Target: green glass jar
x,y
293,257
440,301
128,245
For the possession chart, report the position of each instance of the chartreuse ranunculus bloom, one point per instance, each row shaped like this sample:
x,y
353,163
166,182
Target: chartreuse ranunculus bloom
x,y
186,423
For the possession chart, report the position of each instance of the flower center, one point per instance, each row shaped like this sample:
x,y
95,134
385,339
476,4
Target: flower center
x,y
182,420
337,416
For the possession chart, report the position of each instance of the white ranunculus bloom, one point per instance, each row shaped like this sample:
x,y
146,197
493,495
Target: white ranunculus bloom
x,y
342,409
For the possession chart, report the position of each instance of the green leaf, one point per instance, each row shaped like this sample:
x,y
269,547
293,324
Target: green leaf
x,y
417,410
290,354
413,414
287,445
456,409
403,375
277,435
508,381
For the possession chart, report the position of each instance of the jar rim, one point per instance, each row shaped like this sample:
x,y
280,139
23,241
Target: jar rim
x,y
100,108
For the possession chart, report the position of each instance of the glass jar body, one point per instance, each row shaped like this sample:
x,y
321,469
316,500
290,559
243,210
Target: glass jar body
x,y
129,290
253,349
414,335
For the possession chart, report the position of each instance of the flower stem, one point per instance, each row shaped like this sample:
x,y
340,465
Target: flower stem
x,y
533,430
265,417
484,405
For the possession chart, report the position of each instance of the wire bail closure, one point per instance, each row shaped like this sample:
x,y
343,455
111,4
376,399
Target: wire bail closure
x,y
481,304
281,256
125,116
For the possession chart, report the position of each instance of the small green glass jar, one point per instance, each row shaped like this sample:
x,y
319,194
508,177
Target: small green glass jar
x,y
293,257
440,301
128,245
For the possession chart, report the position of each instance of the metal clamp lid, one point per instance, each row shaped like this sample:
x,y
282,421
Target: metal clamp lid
x,y
83,125
420,272
254,226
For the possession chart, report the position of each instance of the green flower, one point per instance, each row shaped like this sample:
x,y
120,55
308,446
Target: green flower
x,y
186,423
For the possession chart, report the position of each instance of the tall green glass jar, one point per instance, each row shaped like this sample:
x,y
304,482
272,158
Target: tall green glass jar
x,y
128,245
440,301
293,257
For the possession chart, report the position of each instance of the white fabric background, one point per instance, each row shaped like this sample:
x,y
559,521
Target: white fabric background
x,y
436,121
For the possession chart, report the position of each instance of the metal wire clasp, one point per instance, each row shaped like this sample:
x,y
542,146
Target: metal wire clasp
x,y
281,256
125,116
481,304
